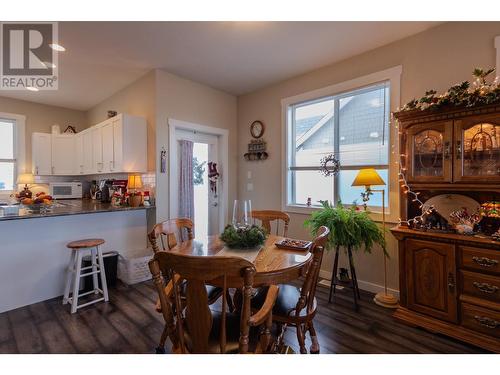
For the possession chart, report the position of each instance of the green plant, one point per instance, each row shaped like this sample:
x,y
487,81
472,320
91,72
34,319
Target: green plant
x,y
349,227
243,237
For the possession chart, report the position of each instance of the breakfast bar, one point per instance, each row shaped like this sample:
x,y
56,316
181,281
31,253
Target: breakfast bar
x,y
33,245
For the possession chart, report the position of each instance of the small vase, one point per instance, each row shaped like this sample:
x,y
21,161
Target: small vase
x,y
135,200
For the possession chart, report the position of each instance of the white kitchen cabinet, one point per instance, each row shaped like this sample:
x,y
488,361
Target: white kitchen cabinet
x,y
84,152
79,153
124,144
117,145
64,154
41,154
88,165
97,149
107,147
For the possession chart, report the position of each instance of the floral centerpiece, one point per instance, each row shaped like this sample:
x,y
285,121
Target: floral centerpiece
x,y
243,237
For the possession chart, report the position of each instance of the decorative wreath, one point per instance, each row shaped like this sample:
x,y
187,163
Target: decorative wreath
x,y
330,165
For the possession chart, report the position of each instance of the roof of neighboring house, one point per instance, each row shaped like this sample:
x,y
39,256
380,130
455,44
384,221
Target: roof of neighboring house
x,y
306,128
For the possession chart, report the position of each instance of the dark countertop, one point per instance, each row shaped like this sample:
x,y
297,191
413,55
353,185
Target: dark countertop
x,y
70,207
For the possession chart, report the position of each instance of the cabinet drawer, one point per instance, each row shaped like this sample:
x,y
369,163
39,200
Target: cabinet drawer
x,y
481,320
480,259
481,286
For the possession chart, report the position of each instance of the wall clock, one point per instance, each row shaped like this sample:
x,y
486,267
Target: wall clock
x,y
257,129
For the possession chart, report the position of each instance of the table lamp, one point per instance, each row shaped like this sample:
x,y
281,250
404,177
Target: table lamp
x,y
134,182
368,177
25,178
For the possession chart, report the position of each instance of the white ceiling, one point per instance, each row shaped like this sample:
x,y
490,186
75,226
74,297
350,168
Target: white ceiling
x,y
236,57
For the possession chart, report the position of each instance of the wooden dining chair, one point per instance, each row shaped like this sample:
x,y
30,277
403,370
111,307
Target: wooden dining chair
x,y
174,230
297,307
267,216
193,327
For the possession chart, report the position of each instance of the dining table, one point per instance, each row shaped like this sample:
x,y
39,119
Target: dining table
x,y
273,265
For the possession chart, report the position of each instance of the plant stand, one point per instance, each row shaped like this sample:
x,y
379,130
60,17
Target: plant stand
x,y
352,283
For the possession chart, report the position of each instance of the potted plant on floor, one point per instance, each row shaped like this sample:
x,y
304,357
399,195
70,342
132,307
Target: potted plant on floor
x,y
351,229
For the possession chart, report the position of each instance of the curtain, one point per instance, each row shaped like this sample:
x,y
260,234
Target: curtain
x,y
186,185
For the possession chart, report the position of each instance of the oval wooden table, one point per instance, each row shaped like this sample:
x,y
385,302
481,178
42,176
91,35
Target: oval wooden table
x,y
272,265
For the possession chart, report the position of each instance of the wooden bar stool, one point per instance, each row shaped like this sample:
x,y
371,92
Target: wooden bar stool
x,y
75,272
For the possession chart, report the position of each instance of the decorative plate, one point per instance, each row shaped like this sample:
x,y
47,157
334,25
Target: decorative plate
x,y
445,204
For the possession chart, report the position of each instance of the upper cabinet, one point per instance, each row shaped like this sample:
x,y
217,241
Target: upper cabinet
x,y
63,154
452,148
477,149
117,145
41,154
429,152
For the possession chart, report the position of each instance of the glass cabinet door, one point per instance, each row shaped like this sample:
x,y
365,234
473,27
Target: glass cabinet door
x,y
477,150
429,152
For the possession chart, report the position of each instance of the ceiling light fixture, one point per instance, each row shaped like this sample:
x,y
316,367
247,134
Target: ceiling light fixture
x,y
31,88
57,47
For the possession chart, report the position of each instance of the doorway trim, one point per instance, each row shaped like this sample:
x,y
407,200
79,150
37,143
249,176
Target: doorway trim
x,y
223,135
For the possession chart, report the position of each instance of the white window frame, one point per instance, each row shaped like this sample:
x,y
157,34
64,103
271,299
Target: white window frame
x,y
497,47
19,147
393,76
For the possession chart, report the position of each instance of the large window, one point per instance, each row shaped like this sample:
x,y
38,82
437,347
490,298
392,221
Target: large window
x,y
7,154
354,126
12,158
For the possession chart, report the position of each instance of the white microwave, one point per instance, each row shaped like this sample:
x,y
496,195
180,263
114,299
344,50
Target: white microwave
x,y
66,190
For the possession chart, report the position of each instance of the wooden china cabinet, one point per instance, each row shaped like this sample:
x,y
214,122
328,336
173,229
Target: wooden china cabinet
x,y
450,283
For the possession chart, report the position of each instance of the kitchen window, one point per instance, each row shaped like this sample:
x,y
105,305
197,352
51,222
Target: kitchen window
x,y
11,150
352,124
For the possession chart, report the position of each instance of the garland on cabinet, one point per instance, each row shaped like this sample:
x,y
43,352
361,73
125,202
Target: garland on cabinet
x,y
463,94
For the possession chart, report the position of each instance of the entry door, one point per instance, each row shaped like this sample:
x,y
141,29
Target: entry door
x,y
206,195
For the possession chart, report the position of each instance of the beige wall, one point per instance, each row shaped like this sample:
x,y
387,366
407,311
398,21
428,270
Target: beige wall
x,y
138,99
41,117
434,59
185,100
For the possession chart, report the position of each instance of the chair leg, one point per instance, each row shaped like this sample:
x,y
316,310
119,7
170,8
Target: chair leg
x,y
314,349
301,338
160,349
76,282
95,282
103,274
69,274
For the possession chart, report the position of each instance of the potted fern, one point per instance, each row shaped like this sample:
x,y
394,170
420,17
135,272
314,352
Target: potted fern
x,y
349,227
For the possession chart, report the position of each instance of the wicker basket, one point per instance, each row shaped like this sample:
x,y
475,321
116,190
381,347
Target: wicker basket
x,y
133,266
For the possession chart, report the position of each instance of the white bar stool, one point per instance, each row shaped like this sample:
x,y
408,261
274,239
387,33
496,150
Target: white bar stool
x,y
74,273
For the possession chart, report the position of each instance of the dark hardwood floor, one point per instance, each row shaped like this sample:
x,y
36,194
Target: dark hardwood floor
x,y
129,324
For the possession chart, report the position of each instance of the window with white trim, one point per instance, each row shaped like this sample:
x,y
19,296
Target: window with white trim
x,y
8,154
354,126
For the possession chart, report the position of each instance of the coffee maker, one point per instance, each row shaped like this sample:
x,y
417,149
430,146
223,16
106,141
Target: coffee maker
x,y
105,190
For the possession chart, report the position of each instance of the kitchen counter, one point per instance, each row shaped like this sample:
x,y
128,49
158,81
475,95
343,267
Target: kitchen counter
x,y
70,207
34,253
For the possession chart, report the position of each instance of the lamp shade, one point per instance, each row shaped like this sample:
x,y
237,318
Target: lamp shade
x,y
368,177
134,182
25,178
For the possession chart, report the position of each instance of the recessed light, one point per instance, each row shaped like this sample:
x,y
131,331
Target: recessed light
x,y
31,88
57,47
49,64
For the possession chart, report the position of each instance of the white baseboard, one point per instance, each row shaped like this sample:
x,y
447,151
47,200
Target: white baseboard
x,y
364,285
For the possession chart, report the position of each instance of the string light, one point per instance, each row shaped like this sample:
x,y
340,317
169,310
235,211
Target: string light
x,y
410,193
